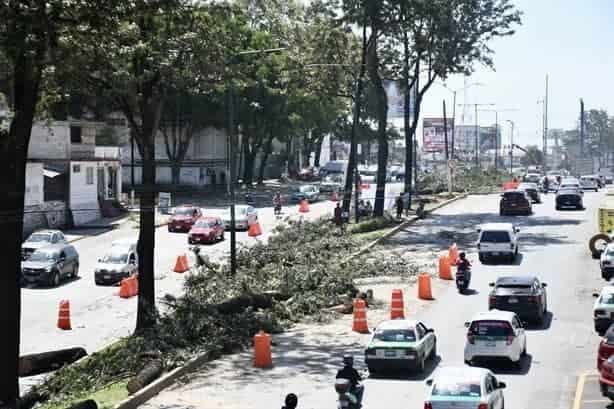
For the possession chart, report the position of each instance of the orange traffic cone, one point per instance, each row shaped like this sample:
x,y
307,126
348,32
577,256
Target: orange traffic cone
x,y
445,270
453,254
125,290
397,310
304,206
334,197
424,287
360,317
64,315
254,229
134,285
262,350
181,266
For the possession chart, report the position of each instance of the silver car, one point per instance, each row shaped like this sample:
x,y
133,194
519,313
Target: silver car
x,y
245,215
589,183
49,265
464,388
40,239
309,192
606,262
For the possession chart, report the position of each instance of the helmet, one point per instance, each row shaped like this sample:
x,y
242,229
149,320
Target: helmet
x,y
291,400
348,360
462,255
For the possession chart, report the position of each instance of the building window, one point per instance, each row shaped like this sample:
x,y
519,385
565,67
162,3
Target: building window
x,y
89,176
76,168
75,134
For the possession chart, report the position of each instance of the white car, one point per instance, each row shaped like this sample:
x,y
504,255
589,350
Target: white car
x,y
245,215
589,183
464,387
603,309
495,334
606,262
497,240
117,263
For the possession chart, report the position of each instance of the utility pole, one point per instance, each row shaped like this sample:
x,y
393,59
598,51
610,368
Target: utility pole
x,y
445,131
545,156
453,125
581,127
477,131
511,148
132,168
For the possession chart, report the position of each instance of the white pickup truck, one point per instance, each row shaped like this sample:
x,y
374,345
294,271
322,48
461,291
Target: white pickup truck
x,y
497,240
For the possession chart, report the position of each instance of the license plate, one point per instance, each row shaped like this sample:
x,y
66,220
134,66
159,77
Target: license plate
x,y
107,277
512,300
491,344
390,353
495,253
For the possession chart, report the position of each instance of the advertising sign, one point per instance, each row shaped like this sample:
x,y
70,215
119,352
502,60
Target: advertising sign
x,y
396,99
433,136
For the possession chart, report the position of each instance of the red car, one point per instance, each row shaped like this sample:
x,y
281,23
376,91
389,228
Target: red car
x,y
184,218
606,347
606,378
206,230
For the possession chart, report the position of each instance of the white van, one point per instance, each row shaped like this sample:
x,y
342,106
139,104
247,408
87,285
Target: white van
x,y
119,262
497,240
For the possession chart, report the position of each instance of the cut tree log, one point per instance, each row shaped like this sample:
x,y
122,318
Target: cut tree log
x,y
86,404
241,302
146,376
30,399
36,364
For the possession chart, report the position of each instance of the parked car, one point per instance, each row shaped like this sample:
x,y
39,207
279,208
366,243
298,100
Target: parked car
x,y
532,190
309,174
51,264
515,202
606,378
568,197
245,215
206,230
309,192
603,309
400,345
332,183
589,183
119,261
524,295
183,218
497,240
495,335
464,387
41,238
606,262
606,347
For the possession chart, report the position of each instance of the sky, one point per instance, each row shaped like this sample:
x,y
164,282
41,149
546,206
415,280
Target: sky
x,y
571,41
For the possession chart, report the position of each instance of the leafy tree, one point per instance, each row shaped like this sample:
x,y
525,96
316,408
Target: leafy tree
x,y
533,156
597,126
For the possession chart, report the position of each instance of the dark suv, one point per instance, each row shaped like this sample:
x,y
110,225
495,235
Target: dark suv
x,y
49,265
569,198
524,295
515,202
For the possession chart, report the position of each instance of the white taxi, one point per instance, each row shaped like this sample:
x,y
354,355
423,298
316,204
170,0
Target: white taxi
x,y
493,335
603,309
464,388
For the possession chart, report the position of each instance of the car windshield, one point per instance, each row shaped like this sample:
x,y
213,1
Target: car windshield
x,y
610,252
607,299
242,210
395,335
460,389
204,224
39,237
495,237
42,256
515,286
491,328
514,196
184,211
115,257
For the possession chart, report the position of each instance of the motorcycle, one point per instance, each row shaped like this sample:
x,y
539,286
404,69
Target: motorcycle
x,y
345,398
249,200
463,277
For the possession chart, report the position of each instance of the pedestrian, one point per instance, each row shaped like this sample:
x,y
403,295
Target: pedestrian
x,y
291,401
399,205
337,215
406,202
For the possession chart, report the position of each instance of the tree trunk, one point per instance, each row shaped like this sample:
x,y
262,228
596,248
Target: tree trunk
x,y
381,109
176,173
318,151
36,364
13,156
268,147
248,170
147,375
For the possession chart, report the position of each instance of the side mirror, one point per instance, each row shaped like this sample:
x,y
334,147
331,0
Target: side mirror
x,y
595,295
491,284
100,260
467,324
501,385
429,382
517,230
544,285
430,330
478,230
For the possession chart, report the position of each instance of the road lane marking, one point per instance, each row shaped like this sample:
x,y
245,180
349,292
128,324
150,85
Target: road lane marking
x,y
579,390
597,401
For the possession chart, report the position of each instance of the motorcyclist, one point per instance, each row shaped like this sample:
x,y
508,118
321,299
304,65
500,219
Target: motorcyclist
x,y
249,199
291,401
463,267
277,203
546,184
348,372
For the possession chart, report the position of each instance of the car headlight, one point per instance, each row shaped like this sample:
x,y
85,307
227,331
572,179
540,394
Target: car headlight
x,y
48,269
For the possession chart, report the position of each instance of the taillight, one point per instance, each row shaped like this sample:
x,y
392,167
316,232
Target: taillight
x,y
492,300
471,338
478,246
512,246
599,312
483,406
533,299
428,405
509,339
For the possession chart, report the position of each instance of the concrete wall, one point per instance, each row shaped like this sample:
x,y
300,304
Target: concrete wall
x,y
84,192
35,184
47,215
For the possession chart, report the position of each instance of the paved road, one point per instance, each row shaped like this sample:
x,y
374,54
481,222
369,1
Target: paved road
x,y
98,315
560,354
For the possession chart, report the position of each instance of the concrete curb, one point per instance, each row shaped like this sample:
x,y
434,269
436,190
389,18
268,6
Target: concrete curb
x,y
404,224
164,382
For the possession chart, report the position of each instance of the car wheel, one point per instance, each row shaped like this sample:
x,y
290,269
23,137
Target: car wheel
x,y
501,213
54,281
75,271
371,370
433,353
190,241
481,258
223,236
557,207
540,319
468,362
420,367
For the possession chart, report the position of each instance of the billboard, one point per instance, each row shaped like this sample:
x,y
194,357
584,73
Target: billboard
x,y
433,136
465,141
396,99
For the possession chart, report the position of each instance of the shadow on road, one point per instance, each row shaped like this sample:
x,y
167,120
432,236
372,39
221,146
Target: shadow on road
x,y
45,287
508,368
503,261
543,326
429,368
470,291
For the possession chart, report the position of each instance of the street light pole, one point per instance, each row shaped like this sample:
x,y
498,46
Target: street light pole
x,y
511,148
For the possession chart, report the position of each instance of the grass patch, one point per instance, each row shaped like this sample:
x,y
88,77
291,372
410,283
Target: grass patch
x,y
106,398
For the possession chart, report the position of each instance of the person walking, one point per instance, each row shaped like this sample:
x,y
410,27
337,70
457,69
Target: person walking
x,y
337,215
399,206
290,402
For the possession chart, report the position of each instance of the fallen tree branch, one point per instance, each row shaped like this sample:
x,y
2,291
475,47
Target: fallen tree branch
x,y
239,303
36,364
146,376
